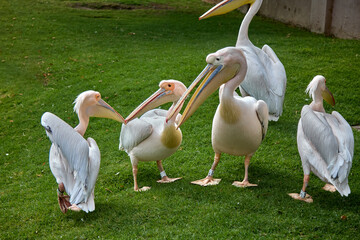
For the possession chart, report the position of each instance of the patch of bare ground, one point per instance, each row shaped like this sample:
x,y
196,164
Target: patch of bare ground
x,y
118,6
356,127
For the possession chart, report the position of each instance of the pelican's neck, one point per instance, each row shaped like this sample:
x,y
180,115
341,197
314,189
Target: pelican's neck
x,y
243,37
173,118
83,121
232,84
230,109
170,136
317,103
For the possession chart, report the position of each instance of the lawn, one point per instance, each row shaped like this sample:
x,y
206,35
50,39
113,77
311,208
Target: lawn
x,y
50,51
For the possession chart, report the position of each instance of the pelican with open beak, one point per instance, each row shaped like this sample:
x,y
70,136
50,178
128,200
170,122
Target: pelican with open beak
x,y
154,136
239,124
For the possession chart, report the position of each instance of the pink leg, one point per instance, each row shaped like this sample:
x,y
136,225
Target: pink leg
x,y
303,196
136,187
164,177
245,182
209,180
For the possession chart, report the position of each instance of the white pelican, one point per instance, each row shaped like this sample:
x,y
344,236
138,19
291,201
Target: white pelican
x,y
153,136
265,77
239,124
73,160
325,142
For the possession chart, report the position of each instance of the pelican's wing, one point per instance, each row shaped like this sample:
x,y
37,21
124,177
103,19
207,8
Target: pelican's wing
x,y
262,113
73,147
277,75
154,113
133,133
342,131
94,166
320,135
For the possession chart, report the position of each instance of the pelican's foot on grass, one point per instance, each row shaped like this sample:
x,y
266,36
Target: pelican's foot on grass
x,y
143,189
64,203
297,196
244,184
166,179
329,187
207,181
74,208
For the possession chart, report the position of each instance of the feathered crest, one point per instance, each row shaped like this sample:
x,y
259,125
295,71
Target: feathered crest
x,y
311,88
80,99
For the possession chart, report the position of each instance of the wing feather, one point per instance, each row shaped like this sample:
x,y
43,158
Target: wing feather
x,y
74,148
345,138
319,133
133,133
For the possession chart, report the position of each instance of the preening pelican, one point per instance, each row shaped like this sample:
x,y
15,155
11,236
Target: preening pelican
x,y
153,136
239,124
265,77
325,143
73,160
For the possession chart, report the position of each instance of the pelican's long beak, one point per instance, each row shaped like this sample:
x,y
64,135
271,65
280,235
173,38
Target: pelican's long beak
x,y
328,97
160,97
225,7
104,110
209,85
181,101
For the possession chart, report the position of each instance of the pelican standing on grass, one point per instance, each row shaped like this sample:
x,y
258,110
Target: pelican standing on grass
x,y
74,161
325,143
239,124
265,77
153,136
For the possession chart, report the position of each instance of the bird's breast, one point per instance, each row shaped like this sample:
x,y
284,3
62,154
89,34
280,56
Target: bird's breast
x,y
171,137
230,113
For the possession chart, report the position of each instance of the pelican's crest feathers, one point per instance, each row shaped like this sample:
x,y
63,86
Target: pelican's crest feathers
x,y
313,85
80,99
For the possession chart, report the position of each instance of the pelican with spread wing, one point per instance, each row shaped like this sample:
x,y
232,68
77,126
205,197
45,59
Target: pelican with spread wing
x,y
265,78
154,136
325,143
75,161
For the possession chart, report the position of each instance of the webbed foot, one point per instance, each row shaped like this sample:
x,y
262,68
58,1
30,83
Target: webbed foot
x,y
207,181
329,187
64,202
166,179
244,184
297,196
143,189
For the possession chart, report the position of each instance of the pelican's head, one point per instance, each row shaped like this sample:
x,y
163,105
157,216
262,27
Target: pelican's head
x,y
223,66
225,7
169,91
317,87
90,103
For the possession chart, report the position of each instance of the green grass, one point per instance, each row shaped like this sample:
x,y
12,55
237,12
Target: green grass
x,y
50,52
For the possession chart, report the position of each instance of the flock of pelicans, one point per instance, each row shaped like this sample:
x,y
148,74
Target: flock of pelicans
x,y
325,141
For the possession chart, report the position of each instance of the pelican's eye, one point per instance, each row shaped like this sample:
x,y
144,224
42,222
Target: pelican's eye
x,y
169,87
217,59
97,97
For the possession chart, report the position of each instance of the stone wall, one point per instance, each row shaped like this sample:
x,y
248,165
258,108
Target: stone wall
x,y
340,18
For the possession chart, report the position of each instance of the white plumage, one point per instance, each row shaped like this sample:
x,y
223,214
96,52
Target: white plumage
x,y
153,136
240,123
74,161
325,142
265,77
